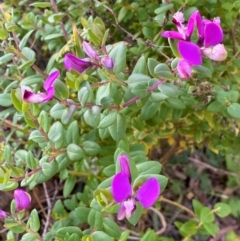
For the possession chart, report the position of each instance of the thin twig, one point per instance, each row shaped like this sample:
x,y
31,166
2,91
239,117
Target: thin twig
x,y
49,204
189,211
162,219
55,8
212,168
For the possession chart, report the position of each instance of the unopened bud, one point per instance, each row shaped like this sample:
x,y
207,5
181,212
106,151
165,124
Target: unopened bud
x,y
108,62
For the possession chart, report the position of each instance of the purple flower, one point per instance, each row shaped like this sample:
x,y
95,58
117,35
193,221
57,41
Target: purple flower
x,y
122,190
210,34
184,69
29,96
108,62
73,62
22,199
92,54
3,214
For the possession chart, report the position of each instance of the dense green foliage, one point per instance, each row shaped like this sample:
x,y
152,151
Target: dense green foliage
x,y
140,108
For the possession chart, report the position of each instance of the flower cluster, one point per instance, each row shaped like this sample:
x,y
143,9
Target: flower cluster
x,y
29,96
70,62
22,200
210,36
123,193
73,62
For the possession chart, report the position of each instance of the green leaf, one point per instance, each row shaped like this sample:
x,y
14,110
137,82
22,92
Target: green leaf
x,y
203,71
140,90
149,235
90,148
61,90
234,110
170,90
74,152
49,169
41,4
189,228
24,40
55,18
101,236
34,221
224,209
215,106
57,111
118,128
5,99
73,134
6,58
152,63
69,185
68,114
26,64
163,71
95,219
31,80
149,110
31,161
3,33
37,137
16,102
206,215
134,219
53,36
164,8
211,228
118,53
197,206
92,116
157,96
56,132
141,66
175,104
60,234
111,228
107,119
150,167
29,54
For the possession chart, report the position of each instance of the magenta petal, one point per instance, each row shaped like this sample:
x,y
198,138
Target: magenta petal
x,y
172,34
125,165
190,52
73,62
90,51
190,27
22,199
31,97
49,94
121,187
184,69
199,22
148,193
213,34
50,79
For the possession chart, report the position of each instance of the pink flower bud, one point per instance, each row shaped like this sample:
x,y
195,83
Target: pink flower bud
x,y
22,199
3,214
108,62
90,51
217,53
184,69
